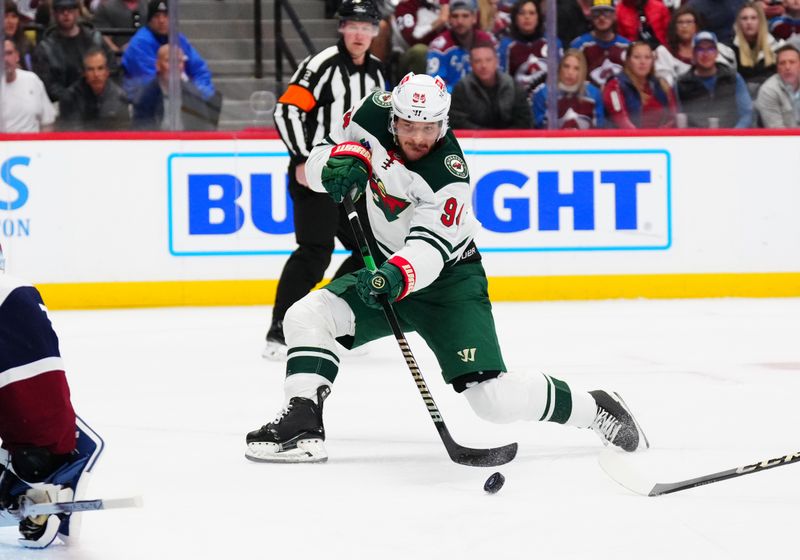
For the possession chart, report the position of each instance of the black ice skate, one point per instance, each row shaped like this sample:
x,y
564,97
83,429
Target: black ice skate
x,y
295,436
275,348
615,424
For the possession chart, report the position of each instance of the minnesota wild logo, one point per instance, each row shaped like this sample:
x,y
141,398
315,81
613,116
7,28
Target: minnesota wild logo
x,y
391,205
456,166
382,98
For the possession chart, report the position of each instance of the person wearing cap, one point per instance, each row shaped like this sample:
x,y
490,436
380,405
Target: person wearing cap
x,y
26,107
120,15
487,98
448,53
603,47
322,90
12,27
778,101
58,58
139,60
643,20
711,94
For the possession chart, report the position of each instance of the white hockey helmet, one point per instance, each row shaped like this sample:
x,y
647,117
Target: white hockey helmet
x,y
420,98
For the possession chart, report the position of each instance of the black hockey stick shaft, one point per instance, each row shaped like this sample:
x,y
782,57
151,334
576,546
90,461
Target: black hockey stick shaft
x,y
669,487
459,454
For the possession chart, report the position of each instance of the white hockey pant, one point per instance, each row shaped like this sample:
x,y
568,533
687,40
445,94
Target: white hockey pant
x,y
315,321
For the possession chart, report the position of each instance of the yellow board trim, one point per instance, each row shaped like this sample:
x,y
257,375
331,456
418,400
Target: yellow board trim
x,y
105,295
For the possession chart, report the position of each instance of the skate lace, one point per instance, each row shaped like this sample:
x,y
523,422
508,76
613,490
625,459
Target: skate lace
x,y
282,413
606,424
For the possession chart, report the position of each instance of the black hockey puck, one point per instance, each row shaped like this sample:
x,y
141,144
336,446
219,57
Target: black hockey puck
x,y
494,483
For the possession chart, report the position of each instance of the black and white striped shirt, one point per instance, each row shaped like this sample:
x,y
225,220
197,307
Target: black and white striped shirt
x,y
324,87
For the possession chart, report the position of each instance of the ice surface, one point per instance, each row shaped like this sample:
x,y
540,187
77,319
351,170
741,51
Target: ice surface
x,y
714,383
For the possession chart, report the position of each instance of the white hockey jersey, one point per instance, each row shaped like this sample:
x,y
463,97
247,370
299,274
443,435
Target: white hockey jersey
x,y
418,211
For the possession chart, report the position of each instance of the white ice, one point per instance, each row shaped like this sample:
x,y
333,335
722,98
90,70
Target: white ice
x,y
714,383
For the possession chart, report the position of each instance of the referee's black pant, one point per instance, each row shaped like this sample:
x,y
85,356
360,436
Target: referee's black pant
x,y
318,220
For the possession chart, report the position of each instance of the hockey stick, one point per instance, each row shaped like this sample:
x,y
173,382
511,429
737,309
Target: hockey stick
x,y
459,454
30,509
615,466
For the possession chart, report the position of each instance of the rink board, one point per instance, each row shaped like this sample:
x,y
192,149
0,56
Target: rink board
x,y
205,219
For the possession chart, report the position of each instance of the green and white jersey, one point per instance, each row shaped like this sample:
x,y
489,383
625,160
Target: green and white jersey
x,y
420,212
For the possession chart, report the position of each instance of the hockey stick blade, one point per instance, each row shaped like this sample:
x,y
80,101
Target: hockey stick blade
x,y
470,457
30,509
616,467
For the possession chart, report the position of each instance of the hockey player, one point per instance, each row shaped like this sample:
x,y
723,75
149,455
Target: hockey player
x,y
398,147
47,452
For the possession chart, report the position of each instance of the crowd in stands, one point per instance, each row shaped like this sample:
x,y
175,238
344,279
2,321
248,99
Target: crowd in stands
x,y
621,63
99,65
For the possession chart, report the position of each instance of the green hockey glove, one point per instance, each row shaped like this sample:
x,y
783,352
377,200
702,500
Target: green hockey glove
x,y
388,279
347,170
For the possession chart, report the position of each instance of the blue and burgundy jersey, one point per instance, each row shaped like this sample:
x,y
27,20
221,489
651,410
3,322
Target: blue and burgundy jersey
x,y
783,27
35,406
604,59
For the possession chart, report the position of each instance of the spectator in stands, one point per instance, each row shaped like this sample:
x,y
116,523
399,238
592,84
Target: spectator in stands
x,y
12,27
416,23
487,97
754,47
711,94
684,24
448,53
26,107
772,8
778,101
573,18
151,104
139,60
58,58
523,53
643,20
602,47
120,15
580,104
494,16
636,98
788,24
94,102
719,16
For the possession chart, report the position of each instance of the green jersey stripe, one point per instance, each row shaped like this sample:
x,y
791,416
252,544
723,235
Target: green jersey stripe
x,y
445,256
433,234
311,364
313,350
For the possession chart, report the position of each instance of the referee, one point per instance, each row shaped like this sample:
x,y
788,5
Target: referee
x,y
324,87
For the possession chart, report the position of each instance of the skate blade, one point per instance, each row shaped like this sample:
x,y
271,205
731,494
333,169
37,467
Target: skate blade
x,y
274,351
307,451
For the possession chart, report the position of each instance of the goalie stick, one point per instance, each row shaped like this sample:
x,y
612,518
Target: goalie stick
x,y
31,509
614,464
458,453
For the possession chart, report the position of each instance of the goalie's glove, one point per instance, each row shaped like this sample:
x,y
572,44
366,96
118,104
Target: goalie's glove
x,y
347,170
388,279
